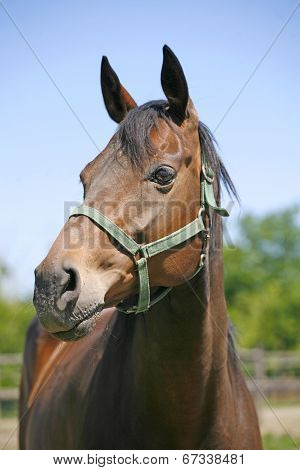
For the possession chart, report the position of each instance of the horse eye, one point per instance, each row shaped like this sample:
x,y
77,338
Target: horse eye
x,y
163,175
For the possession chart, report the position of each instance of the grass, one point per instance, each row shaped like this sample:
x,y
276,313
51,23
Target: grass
x,y
290,401
283,442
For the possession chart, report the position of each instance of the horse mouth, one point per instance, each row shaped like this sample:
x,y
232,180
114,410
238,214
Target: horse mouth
x,y
81,329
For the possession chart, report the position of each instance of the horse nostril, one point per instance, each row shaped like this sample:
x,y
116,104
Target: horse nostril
x,y
71,283
69,288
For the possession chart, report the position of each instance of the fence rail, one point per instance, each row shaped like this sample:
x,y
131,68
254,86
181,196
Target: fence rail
x,y
10,359
270,373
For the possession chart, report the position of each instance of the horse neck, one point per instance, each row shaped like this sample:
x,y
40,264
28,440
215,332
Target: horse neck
x,y
172,362
187,333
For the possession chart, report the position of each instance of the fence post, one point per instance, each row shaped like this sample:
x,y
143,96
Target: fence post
x,y
260,368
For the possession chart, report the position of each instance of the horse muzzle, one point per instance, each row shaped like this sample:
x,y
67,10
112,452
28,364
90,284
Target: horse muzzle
x,y
56,299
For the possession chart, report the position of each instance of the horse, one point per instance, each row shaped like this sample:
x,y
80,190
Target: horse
x,y
132,346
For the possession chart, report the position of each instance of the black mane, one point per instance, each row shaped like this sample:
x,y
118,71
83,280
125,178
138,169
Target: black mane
x,y
133,139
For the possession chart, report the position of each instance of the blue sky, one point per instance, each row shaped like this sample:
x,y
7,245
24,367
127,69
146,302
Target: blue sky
x,y
43,147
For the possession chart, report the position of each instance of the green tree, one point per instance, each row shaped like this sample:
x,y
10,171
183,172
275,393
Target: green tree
x,y
262,280
14,319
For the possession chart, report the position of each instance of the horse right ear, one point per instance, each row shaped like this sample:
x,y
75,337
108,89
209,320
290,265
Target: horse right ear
x,y
174,84
117,100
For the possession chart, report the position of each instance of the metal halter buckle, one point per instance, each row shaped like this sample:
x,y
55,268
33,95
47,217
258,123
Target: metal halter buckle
x,y
205,171
205,235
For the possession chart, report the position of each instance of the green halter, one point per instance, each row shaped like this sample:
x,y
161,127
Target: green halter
x,y
141,253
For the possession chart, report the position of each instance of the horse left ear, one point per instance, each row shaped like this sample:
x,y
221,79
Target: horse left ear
x,y
117,100
174,84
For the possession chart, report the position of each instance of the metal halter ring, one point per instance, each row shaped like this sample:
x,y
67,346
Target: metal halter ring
x,y
201,210
209,179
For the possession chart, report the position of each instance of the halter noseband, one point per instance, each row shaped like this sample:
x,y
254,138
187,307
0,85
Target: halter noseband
x,y
141,253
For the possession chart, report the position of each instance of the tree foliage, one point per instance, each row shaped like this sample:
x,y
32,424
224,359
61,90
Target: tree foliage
x,y
15,316
262,280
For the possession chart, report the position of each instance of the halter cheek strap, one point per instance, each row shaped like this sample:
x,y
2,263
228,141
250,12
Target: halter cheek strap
x,y
141,253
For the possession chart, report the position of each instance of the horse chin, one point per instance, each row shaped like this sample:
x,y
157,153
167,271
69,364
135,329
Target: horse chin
x,y
80,330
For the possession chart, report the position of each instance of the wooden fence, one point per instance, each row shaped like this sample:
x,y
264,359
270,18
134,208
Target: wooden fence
x,y
10,367
271,374
274,374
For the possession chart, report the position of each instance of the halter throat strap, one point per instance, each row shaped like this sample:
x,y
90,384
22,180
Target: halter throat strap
x,y
141,253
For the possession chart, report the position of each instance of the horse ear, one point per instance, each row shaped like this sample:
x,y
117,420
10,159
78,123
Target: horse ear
x,y
117,100
174,85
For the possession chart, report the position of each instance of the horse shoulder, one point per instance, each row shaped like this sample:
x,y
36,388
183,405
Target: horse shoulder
x,y
52,368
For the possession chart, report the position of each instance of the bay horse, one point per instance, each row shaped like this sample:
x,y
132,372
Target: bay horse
x,y
136,275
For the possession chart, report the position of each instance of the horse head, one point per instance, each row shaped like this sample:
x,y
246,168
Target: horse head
x,y
147,183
